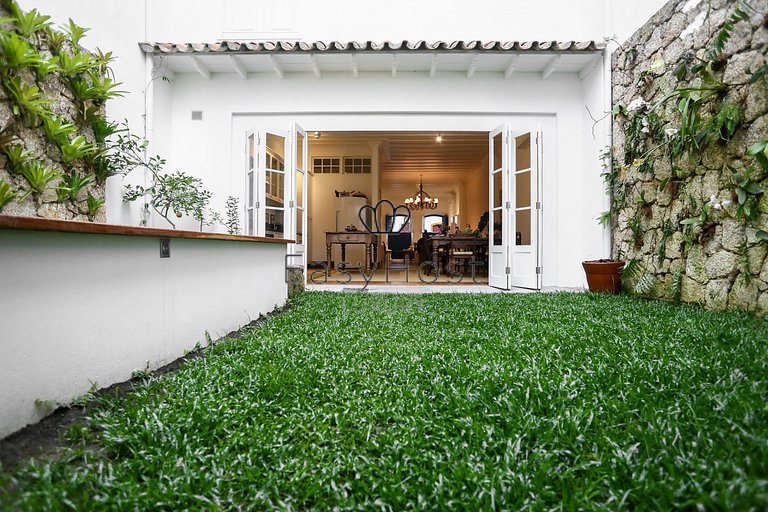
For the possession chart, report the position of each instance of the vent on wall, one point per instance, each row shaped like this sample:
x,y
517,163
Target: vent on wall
x,y
197,115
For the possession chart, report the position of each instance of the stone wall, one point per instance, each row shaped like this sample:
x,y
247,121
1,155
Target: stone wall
x,y
23,129
687,206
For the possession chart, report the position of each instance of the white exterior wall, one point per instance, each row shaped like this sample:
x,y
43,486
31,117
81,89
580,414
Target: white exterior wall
x,y
90,309
212,149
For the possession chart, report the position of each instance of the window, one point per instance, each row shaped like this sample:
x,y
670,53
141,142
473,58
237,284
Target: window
x,y
326,165
357,165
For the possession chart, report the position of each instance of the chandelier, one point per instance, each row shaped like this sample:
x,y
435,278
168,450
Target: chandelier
x,y
422,200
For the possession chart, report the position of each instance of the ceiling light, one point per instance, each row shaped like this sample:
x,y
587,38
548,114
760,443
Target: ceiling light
x,y
439,138
422,200
317,135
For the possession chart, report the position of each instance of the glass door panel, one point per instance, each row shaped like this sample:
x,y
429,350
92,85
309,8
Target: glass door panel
x,y
499,200
525,269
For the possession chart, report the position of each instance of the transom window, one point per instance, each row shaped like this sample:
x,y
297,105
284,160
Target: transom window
x,y
326,165
357,165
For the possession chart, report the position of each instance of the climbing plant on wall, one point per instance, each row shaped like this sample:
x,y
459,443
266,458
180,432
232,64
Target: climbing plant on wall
x,y
690,160
52,125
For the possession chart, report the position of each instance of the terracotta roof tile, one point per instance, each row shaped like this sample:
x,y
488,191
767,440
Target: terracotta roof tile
x,y
370,46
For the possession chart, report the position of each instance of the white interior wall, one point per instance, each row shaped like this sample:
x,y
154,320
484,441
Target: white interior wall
x,y
90,309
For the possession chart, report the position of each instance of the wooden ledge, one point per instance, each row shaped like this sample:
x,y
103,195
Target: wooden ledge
x,y
95,228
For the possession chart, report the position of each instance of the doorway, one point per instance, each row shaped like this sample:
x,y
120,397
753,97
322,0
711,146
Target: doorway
x,y
344,168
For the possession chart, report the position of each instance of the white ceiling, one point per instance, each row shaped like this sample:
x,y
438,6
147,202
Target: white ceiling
x,y
405,156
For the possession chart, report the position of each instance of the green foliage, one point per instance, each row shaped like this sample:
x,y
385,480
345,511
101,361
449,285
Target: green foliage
x,y
725,122
102,167
102,88
102,129
6,138
16,54
37,176
605,218
73,64
71,184
759,151
27,24
58,129
29,102
76,149
75,33
172,193
517,402
676,286
87,397
747,194
94,205
233,215
55,40
724,34
17,157
6,194
700,220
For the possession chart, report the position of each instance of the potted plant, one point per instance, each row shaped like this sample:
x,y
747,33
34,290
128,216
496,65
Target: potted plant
x,y
603,275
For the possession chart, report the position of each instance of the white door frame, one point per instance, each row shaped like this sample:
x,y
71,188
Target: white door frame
x,y
428,121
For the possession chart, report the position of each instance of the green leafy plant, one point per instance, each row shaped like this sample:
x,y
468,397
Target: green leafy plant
x,y
37,176
233,215
725,122
75,32
637,232
747,193
94,205
27,24
17,156
759,151
176,193
45,67
71,184
102,129
55,40
76,149
72,64
16,54
102,87
58,129
29,102
6,194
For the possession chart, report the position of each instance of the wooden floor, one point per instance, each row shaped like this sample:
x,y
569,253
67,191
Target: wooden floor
x,y
394,277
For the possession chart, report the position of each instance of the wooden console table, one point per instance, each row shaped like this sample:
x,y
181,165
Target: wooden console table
x,y
343,238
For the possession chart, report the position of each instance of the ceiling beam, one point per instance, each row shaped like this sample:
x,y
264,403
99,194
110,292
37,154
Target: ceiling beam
x,y
433,66
355,69
511,66
238,67
200,67
589,67
315,66
472,66
394,65
276,66
551,67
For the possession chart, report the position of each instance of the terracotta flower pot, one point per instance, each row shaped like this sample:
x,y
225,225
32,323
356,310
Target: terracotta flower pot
x,y
603,275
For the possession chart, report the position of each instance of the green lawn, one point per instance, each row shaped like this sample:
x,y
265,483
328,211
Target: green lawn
x,y
498,401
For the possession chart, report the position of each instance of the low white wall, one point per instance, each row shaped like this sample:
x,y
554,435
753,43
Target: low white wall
x,y
77,309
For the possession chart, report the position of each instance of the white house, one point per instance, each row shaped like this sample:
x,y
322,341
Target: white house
x,y
282,103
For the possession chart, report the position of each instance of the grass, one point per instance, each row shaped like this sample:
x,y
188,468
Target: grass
x,y
465,402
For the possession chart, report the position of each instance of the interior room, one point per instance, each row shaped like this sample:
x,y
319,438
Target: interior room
x,y
449,171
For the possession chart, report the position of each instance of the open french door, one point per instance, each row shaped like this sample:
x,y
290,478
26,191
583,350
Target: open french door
x,y
514,209
297,202
525,214
498,207
265,187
